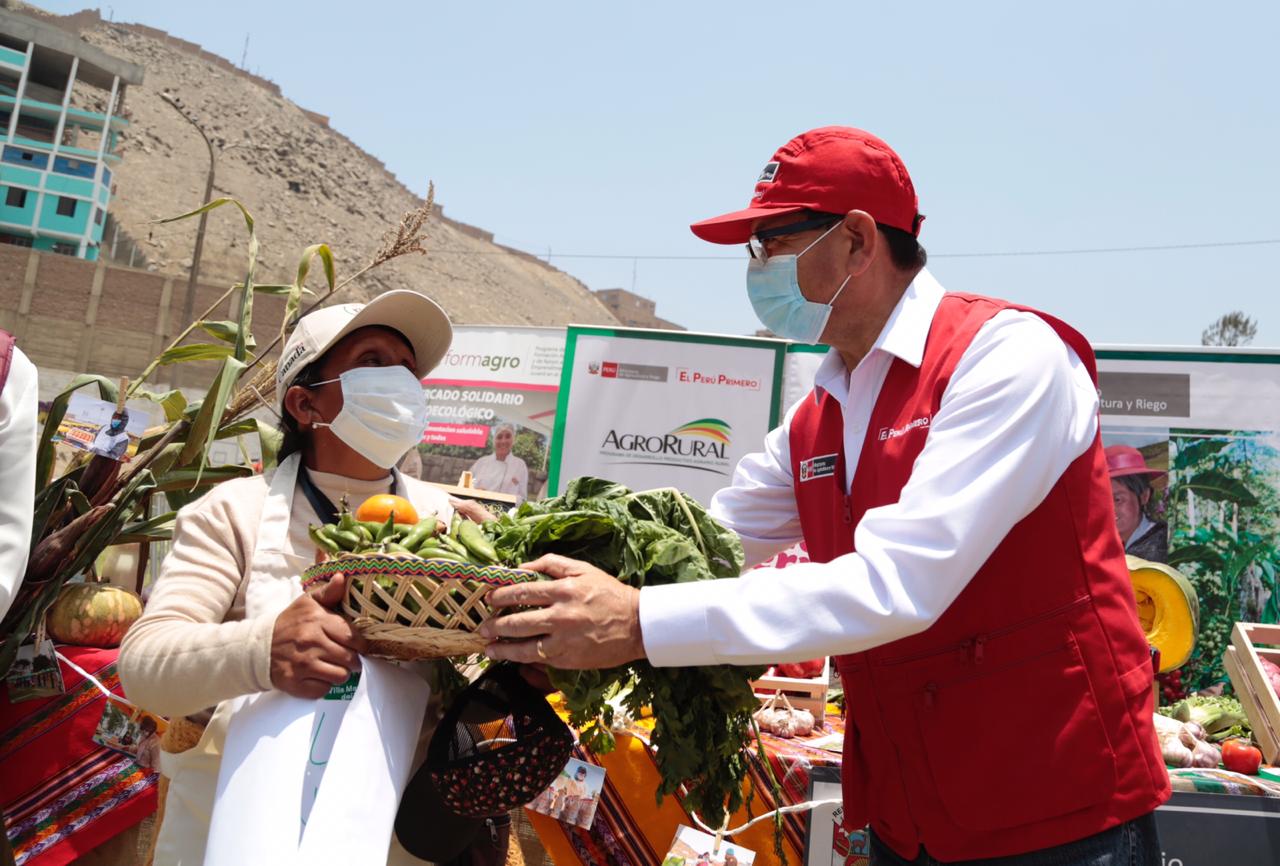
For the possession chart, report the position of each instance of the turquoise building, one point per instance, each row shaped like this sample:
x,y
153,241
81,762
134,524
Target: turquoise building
x,y
60,121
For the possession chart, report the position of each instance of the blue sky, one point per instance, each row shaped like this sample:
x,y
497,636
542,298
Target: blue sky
x,y
604,129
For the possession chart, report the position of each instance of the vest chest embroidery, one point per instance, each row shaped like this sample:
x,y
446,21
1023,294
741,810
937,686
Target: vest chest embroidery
x,y
887,433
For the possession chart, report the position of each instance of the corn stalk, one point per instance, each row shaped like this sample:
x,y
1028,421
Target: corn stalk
x,y
98,502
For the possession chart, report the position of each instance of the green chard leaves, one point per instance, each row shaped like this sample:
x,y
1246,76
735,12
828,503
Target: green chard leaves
x,y
702,714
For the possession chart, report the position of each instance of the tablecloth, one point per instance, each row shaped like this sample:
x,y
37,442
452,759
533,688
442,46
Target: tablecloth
x,y
1219,781
632,829
63,794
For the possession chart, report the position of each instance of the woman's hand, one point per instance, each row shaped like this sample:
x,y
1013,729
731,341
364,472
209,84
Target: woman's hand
x,y
313,648
472,510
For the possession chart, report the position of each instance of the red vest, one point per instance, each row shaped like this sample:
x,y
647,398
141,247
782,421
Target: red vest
x,y
1021,719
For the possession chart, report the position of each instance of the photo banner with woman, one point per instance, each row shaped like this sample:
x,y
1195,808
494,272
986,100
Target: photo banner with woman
x,y
491,404
1193,450
663,408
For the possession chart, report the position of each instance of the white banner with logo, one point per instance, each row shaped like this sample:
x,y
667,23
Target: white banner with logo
x,y
661,408
491,407
1193,439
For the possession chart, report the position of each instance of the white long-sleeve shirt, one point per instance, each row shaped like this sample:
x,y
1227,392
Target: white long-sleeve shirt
x,y
1019,408
19,408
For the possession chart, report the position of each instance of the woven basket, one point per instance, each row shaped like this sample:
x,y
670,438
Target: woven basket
x,y
431,609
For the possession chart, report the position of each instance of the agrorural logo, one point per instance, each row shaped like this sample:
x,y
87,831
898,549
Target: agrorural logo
x,y
702,444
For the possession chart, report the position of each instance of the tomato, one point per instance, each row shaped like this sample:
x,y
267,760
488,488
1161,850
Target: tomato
x,y
1239,756
803,670
376,508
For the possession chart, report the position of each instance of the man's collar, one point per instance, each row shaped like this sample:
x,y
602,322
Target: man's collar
x,y
903,335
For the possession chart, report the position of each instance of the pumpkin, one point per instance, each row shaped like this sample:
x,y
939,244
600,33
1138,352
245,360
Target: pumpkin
x,y
1168,610
377,508
93,614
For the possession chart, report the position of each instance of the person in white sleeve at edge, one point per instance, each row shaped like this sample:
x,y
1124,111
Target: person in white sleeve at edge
x,y
19,408
948,478
227,617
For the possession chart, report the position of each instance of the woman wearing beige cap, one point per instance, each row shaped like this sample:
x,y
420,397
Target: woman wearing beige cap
x,y
227,623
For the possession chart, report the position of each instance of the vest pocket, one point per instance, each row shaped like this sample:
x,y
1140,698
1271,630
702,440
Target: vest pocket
x,y
1019,744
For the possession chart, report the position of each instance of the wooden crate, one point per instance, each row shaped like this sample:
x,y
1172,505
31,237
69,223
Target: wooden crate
x,y
804,694
1260,702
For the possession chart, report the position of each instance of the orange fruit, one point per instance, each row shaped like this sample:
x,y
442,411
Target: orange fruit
x,y
376,509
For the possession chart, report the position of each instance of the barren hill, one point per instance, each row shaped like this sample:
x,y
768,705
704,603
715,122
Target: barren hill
x,y
304,183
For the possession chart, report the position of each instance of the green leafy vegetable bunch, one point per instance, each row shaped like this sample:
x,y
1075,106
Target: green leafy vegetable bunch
x,y
702,715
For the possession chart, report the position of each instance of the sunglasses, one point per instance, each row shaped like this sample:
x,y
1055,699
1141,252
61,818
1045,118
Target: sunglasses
x,y
756,246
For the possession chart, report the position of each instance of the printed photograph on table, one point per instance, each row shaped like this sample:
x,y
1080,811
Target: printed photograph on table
x,y
131,731
573,797
100,428
694,848
827,842
35,673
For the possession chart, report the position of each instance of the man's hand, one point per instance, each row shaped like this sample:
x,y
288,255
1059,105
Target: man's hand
x,y
584,619
313,648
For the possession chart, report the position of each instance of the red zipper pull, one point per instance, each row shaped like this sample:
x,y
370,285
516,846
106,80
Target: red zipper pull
x,y
977,649
930,691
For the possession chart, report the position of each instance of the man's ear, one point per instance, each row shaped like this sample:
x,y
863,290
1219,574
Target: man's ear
x,y
859,228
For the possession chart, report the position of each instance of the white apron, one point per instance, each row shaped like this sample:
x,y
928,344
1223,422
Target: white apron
x,y
351,819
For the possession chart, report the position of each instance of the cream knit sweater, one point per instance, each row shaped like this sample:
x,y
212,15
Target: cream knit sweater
x,y
193,647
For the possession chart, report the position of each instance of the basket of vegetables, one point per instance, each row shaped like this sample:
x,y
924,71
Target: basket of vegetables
x,y
702,715
415,587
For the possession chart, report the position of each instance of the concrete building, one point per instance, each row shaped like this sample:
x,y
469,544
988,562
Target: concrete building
x,y
55,165
634,311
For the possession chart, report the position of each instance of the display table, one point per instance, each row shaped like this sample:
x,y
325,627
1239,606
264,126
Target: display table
x,y
631,829
1214,816
64,795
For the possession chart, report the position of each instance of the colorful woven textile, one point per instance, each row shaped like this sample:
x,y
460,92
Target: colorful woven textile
x,y
64,795
1205,781
416,568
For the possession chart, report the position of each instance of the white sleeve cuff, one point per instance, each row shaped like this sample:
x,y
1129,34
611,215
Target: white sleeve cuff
x,y
261,632
673,624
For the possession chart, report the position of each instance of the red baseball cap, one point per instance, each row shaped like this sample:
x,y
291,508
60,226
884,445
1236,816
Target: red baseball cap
x,y
834,169
1126,460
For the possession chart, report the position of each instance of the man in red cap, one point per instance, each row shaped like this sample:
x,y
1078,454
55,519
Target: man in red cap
x,y
947,475
1131,493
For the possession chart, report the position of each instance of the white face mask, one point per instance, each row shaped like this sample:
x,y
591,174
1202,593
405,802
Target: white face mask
x,y
384,413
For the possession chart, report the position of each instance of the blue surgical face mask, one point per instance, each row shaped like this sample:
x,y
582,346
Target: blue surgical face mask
x,y
117,424
774,290
384,411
